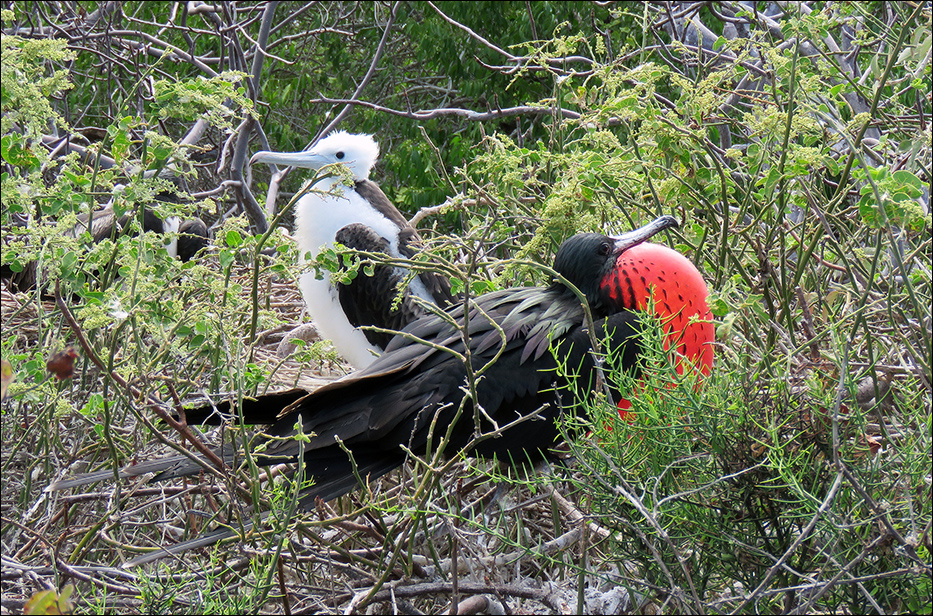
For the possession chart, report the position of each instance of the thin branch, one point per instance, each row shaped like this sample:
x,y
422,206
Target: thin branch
x,y
155,404
366,78
532,110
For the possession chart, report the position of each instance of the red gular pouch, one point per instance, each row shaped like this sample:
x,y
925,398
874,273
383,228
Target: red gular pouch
x,y
678,298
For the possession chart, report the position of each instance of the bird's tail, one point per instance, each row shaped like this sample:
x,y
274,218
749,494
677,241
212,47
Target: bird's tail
x,y
334,475
330,471
166,468
262,410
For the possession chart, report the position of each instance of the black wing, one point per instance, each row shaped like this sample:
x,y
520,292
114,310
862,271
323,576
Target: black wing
x,y
396,399
415,388
410,242
370,300
192,237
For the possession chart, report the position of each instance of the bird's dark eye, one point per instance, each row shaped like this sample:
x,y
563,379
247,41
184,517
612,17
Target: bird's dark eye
x,y
339,155
604,249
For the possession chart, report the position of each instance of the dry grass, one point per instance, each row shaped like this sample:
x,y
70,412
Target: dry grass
x,y
517,545
486,537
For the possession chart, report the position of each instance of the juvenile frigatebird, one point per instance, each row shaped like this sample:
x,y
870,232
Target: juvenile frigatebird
x,y
360,217
414,394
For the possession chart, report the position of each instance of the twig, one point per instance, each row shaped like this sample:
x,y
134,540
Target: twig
x,y
155,404
575,515
808,329
367,77
549,595
493,563
804,535
469,114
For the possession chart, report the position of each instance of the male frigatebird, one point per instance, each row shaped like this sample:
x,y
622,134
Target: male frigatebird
x,y
414,394
360,217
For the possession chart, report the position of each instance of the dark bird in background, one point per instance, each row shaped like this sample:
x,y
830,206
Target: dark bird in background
x,y
360,217
190,236
412,394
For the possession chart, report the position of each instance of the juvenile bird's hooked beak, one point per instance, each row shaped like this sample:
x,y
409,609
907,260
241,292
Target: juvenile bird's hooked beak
x,y
306,159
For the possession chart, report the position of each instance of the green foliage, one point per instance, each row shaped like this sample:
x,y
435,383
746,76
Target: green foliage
x,y
189,99
727,476
28,84
899,192
424,45
150,319
799,185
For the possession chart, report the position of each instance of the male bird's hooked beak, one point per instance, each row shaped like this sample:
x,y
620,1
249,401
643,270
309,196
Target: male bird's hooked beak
x,y
306,159
643,234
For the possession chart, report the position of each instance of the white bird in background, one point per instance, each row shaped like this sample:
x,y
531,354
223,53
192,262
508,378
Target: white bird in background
x,y
363,218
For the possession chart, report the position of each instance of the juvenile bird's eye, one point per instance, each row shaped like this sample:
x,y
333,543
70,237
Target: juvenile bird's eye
x,y
339,155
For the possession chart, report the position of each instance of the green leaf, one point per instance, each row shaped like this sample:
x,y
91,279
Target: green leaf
x,y
908,179
16,151
94,405
225,258
233,238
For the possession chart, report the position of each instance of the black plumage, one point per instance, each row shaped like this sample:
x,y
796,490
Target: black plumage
x,y
370,299
364,238
414,394
104,223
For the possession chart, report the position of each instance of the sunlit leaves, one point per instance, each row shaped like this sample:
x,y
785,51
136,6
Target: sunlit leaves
x,y
191,99
899,205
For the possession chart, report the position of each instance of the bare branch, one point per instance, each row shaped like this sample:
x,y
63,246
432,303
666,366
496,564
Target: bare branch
x,y
527,110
